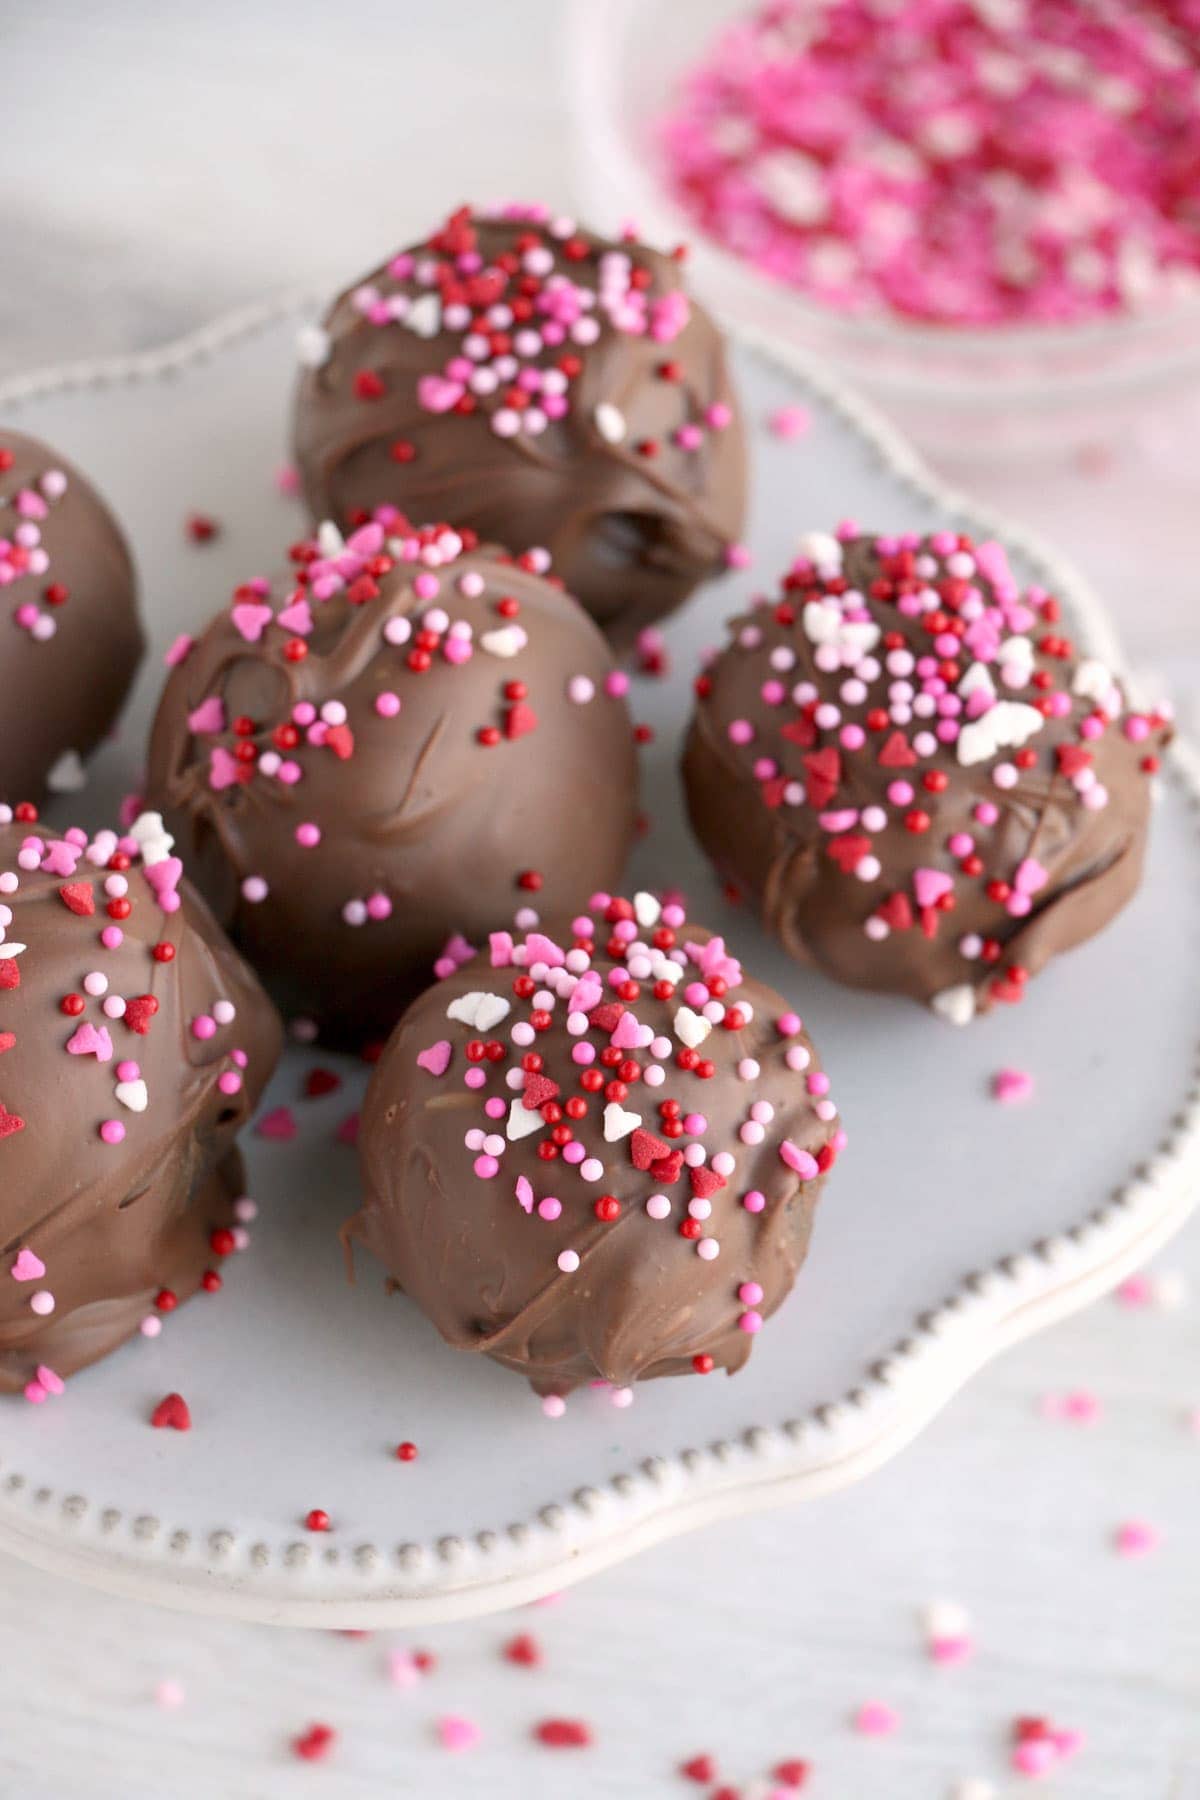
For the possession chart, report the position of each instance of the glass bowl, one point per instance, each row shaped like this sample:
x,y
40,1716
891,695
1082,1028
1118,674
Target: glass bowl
x,y
970,393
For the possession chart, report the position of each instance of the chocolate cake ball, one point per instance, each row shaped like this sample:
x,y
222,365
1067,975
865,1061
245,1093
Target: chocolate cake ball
x,y
133,1044
370,765
597,1152
70,640
544,386
907,766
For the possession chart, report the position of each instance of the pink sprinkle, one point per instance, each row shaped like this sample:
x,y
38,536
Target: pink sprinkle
x,y
876,1719
788,422
738,556
1012,1085
278,1125
169,1694
1137,1537
403,1668
308,835
178,650
950,1650
287,480
1135,1290
112,1131
458,1733
27,1266
437,1058
801,1162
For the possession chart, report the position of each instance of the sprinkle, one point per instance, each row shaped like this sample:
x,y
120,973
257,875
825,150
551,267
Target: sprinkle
x,y
1012,1085
876,1719
1137,1538
563,1734
458,1733
172,1412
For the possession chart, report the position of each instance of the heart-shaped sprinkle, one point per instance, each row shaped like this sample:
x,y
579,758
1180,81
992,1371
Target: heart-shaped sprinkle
x,y
78,897
139,1012
278,1126
929,885
209,716
27,1266
706,1182
626,1033
618,1123
520,720
524,1651
7,1040
524,1193
645,1149
957,1004
10,1123
691,1028
537,1090
10,975
172,1412
436,1059
134,1095
522,1122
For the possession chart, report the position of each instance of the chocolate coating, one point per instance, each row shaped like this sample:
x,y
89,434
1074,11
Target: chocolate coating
x,y
910,771
457,1215
370,744
633,513
112,1223
70,637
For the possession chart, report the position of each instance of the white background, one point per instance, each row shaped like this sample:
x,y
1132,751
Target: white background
x,y
159,164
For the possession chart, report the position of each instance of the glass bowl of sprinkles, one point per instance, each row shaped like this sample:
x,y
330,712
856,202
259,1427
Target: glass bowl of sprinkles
x,y
985,213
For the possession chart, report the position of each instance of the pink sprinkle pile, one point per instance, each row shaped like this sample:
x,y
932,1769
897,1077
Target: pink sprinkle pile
x,y
1025,162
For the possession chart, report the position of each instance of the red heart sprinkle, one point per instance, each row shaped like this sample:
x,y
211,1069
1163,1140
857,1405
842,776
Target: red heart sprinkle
x,y
1072,758
340,740
7,1040
1007,991
315,1743
896,911
823,769
523,1650
520,720
792,1773
10,975
321,1081
802,731
537,1090
666,1168
10,1123
705,1182
139,1011
774,791
604,1017
79,897
646,1149
699,1768
172,1410
848,851
563,1734
896,752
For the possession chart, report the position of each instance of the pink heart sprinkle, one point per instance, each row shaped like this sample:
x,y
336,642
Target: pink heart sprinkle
x,y
930,884
90,1041
876,1719
1030,876
296,618
223,769
437,395
367,541
178,650
627,1032
788,422
251,620
1011,1085
799,1161
208,716
403,1668
543,949
53,1384
501,946
437,1058
279,1125
457,1733
525,1193
1035,1756
27,1266
950,1650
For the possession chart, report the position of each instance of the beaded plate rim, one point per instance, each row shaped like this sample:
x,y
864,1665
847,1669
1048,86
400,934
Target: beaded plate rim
x,y
292,1582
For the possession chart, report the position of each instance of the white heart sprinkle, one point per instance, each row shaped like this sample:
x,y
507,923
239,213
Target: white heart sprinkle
x,y
133,1094
1003,726
691,1028
646,910
507,641
664,969
313,344
957,1004
424,316
618,1123
67,774
823,551
946,1619
479,1010
11,950
609,421
521,1122
152,838
330,541
1094,680
977,680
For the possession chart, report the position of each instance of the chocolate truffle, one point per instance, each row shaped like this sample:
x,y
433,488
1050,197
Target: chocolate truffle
x,y
907,766
370,767
70,640
544,386
596,1153
133,1044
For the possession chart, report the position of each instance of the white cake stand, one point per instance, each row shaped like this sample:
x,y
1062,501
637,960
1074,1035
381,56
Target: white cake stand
x,y
924,1266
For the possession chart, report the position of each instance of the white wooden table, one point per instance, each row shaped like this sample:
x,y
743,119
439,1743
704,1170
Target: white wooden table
x,y
156,172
